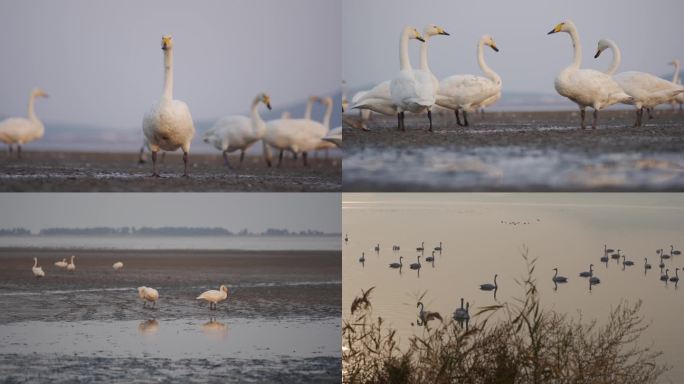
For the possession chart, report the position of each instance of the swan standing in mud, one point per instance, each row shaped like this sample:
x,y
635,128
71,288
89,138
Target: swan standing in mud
x,y
117,266
168,125
71,267
148,294
19,130
214,296
37,271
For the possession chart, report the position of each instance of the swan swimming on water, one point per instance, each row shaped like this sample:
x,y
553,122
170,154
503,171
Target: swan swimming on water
x,y
397,265
426,316
588,273
675,278
19,130
37,271
168,125
214,296
558,279
586,87
665,277
462,313
490,287
148,294
646,264
646,90
415,265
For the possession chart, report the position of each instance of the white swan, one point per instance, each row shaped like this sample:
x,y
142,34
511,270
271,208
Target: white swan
x,y
18,130
328,143
37,271
233,133
117,266
294,135
586,87
646,90
214,296
71,266
468,92
61,264
679,99
168,125
148,294
334,136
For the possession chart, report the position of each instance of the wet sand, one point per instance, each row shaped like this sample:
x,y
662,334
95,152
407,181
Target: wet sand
x,y
52,171
273,291
484,149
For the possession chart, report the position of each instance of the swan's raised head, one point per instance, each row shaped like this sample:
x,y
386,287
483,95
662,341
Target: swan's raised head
x,y
414,34
565,26
434,30
674,62
266,99
603,44
37,92
489,41
167,42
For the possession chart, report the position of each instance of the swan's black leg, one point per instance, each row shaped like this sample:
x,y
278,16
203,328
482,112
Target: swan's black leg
x,y
637,121
465,118
582,114
430,119
593,124
403,121
458,118
185,164
304,157
163,157
280,158
225,160
650,113
154,164
242,158
141,158
399,121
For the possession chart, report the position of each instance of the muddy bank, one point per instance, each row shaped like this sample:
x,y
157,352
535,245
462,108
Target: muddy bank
x,y
517,151
91,172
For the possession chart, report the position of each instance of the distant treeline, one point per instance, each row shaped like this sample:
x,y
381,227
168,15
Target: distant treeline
x,y
160,231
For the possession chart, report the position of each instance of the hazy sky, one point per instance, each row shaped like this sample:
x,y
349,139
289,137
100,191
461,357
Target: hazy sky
x,y
255,211
647,33
102,64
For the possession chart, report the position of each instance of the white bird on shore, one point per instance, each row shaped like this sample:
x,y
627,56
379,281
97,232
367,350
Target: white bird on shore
x,y
19,130
233,133
214,296
148,294
586,87
117,266
168,125
71,266
647,90
679,99
468,92
61,264
37,271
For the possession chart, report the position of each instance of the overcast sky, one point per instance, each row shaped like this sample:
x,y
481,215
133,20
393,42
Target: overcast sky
x,y
102,64
234,211
648,34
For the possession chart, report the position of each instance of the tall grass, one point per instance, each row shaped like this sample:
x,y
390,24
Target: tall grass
x,y
524,343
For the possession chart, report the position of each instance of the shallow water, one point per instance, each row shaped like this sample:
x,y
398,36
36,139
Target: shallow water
x,y
247,243
484,234
512,168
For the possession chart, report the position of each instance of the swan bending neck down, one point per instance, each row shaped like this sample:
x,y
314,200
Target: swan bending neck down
x,y
586,87
168,125
646,90
18,130
214,296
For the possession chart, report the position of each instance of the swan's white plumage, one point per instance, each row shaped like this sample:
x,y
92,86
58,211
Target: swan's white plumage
x,y
148,294
61,264
71,266
117,266
234,133
411,90
37,271
334,136
298,135
213,296
20,130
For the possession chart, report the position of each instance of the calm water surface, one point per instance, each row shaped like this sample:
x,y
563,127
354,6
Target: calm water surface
x,y
479,239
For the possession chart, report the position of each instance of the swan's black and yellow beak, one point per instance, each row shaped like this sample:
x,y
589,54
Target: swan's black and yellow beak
x,y
598,53
420,38
556,29
268,105
552,31
444,33
494,48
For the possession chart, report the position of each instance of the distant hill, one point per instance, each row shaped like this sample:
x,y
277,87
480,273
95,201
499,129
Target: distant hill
x,y
160,231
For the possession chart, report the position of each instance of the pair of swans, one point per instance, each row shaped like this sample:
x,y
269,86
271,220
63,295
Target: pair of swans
x,y
461,314
647,90
37,271
70,266
425,316
586,87
233,133
19,130
168,124
299,135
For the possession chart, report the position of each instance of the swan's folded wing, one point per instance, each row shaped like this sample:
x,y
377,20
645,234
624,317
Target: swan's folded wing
x,y
14,128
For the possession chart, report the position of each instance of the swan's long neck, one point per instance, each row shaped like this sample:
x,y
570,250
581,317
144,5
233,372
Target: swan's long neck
x,y
495,276
168,74
423,54
309,108
483,66
577,57
404,62
461,303
258,125
31,112
35,262
554,275
675,77
327,116
617,58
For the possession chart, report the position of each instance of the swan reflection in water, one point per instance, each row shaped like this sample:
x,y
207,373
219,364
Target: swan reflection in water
x,y
148,327
215,329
